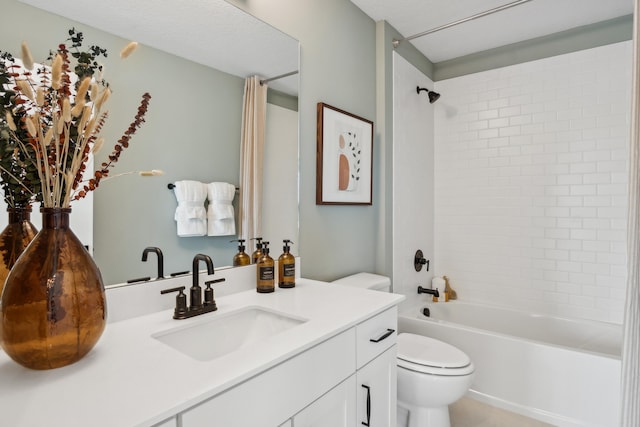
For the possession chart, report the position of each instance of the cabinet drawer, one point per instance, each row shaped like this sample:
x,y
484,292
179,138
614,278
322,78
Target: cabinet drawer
x,y
375,335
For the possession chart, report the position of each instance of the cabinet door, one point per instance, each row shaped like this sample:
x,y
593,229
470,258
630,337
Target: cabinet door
x,y
377,391
336,408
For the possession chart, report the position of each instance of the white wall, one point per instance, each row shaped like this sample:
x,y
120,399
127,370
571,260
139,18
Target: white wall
x,y
531,181
412,177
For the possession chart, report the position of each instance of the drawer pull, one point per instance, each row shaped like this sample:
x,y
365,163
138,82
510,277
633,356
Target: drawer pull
x,y
383,336
368,422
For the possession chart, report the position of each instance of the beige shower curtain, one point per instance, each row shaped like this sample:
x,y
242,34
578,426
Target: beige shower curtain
x,y
251,155
630,414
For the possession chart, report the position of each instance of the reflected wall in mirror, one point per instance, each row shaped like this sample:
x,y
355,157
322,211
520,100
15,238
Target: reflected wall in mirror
x,y
192,129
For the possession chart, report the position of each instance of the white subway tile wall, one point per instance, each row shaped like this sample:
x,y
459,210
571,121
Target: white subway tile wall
x,y
531,165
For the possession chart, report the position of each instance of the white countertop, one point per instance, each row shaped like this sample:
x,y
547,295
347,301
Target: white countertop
x,y
132,379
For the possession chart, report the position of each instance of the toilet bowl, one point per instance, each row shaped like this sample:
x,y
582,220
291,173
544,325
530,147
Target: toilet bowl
x,y
431,374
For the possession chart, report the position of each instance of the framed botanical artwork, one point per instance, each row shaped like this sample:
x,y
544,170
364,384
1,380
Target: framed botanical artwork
x,y
344,158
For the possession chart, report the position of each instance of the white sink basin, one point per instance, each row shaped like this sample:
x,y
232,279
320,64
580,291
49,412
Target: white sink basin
x,y
225,333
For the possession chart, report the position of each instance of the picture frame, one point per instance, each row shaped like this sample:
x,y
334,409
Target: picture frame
x,y
344,158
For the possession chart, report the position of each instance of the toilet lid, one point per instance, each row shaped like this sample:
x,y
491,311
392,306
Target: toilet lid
x,y
425,351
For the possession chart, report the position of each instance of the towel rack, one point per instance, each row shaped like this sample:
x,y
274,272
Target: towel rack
x,y
171,186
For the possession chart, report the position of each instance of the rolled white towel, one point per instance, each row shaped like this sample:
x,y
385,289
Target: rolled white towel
x,y
191,215
220,214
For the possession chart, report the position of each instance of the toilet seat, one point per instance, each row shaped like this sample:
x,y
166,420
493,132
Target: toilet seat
x,y
430,356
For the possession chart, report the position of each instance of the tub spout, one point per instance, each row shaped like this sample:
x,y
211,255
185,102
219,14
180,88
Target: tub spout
x,y
433,292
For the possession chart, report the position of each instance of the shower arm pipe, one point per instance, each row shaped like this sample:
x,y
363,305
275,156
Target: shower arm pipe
x,y
396,42
281,76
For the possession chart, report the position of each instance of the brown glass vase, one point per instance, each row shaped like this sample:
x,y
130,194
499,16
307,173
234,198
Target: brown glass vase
x,y
14,239
52,310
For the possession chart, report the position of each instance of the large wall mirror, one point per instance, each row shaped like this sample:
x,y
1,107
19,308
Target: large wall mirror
x,y
193,58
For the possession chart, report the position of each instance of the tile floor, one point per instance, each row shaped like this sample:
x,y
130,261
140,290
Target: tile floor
x,y
468,412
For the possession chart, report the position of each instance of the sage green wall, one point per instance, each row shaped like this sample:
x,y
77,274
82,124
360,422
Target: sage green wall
x,y
338,68
337,63
192,131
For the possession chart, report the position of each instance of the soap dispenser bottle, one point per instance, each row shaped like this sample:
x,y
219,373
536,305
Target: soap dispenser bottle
x,y
265,273
258,252
241,258
286,267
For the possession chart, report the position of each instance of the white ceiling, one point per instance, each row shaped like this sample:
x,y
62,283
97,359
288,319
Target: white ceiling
x,y
526,21
210,32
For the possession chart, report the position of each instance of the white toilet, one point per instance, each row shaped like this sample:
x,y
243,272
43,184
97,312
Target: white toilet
x,y
431,374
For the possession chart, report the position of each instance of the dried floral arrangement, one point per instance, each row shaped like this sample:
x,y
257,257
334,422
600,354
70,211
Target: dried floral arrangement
x,y
19,178
50,121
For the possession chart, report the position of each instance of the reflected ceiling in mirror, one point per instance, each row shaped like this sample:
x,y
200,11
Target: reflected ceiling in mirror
x,y
202,31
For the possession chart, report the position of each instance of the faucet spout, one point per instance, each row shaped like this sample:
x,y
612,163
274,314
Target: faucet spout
x,y
196,261
433,292
158,252
196,290
196,305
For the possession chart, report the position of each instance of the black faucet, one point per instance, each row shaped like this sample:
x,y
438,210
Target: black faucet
x,y
433,292
196,306
419,260
196,290
158,252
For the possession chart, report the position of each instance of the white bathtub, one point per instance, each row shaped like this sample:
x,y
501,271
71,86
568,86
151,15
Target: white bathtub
x,y
560,371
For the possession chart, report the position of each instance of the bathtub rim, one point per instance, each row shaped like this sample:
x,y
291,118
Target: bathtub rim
x,y
414,311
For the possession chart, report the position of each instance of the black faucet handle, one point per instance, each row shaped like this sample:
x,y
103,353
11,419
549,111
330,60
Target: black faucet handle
x,y
419,260
211,282
208,295
181,301
208,292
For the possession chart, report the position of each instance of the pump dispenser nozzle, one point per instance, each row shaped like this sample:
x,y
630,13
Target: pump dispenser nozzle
x,y
241,258
286,248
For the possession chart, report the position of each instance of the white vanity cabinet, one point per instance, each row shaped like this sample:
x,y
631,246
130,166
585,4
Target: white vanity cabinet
x,y
272,397
368,397
376,376
323,386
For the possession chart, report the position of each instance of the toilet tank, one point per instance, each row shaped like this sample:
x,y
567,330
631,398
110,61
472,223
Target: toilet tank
x,y
367,281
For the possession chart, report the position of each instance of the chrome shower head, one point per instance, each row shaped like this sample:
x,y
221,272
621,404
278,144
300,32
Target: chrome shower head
x,y
433,96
